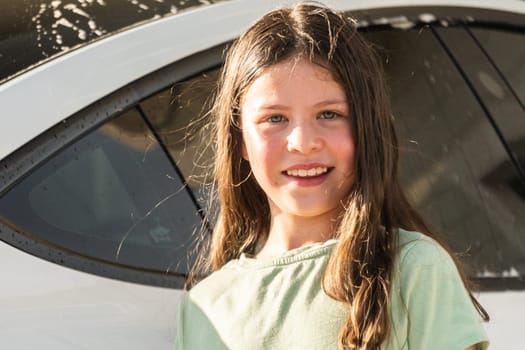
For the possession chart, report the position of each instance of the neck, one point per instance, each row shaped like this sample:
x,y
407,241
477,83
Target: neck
x,y
289,232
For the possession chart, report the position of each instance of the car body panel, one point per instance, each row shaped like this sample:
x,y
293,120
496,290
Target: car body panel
x,y
48,306
506,310
51,306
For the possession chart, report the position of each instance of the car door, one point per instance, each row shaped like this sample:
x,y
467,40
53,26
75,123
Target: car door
x,y
99,214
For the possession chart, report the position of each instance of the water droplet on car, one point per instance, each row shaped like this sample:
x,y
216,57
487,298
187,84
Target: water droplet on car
x,y
427,17
82,34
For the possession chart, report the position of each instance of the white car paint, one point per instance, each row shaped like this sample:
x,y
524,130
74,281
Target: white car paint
x,y
48,306
506,310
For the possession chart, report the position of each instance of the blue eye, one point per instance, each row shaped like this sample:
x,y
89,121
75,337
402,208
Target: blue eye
x,y
277,118
328,115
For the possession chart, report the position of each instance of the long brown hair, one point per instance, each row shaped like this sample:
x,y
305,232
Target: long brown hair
x,y
360,270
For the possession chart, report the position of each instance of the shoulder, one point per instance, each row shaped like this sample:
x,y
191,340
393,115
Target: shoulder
x,y
424,271
429,297
215,283
198,319
418,250
421,260
413,240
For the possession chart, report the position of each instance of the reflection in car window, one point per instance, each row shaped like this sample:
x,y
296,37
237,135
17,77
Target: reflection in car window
x,y
180,115
454,167
507,50
113,195
493,90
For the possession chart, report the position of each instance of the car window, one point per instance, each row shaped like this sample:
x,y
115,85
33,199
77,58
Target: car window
x,y
112,196
507,50
492,89
454,166
180,114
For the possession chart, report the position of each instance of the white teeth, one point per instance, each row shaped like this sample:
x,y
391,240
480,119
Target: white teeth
x,y
306,173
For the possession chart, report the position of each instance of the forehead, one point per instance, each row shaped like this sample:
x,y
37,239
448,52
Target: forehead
x,y
294,76
298,66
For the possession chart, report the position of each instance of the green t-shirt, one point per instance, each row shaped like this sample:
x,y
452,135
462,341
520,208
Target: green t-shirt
x,y
278,303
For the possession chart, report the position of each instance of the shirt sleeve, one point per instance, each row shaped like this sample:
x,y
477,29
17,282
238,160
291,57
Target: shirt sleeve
x,y
431,308
180,325
195,330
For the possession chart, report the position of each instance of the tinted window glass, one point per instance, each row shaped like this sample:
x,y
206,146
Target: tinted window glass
x,y
113,195
180,116
454,167
507,50
495,92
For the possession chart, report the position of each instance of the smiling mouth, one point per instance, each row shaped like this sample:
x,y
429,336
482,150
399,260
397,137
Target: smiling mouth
x,y
307,172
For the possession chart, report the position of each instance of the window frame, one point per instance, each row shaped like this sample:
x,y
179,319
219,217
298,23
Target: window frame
x,y
26,159
20,164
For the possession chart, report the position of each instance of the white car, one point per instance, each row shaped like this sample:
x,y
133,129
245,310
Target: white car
x,y
103,158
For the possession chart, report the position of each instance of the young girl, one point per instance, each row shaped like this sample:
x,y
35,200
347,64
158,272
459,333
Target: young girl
x,y
316,246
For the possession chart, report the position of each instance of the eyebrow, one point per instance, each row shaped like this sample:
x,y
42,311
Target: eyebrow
x,y
331,102
272,107
319,104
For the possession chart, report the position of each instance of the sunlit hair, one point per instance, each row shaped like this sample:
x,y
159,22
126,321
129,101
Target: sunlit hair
x,y
361,267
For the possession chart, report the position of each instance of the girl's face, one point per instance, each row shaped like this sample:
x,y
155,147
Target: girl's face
x,y
297,137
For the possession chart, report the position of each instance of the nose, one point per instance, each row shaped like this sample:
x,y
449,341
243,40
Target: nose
x,y
304,139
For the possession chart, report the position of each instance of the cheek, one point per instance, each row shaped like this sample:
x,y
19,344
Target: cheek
x,y
263,156
345,148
